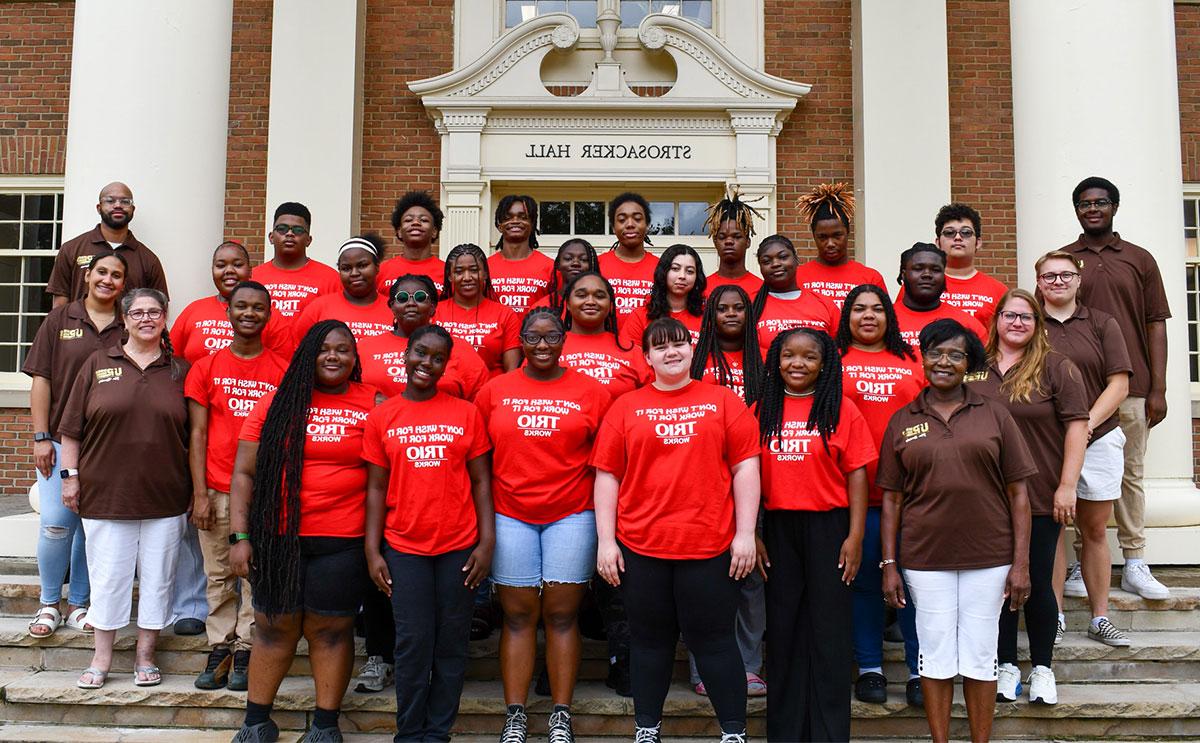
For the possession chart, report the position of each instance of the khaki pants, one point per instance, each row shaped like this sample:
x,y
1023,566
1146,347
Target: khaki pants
x,y
1130,508
228,623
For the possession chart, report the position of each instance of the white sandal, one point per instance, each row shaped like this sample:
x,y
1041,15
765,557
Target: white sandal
x,y
77,620
47,616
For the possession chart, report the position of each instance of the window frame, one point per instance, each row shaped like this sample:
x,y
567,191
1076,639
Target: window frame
x,y
1191,192
592,33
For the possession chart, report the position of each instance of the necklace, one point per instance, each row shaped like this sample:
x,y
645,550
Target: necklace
x,y
810,393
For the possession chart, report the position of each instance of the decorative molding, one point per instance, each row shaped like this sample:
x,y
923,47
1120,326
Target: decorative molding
x,y
753,121
611,124
464,120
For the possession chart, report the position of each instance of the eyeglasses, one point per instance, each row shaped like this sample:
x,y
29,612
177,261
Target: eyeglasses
x,y
295,229
966,232
532,339
1065,277
954,357
1083,206
417,296
139,315
1025,317
115,201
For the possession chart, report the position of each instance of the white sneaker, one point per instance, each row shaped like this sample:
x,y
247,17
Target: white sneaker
x,y
1008,683
1074,585
1042,689
1137,579
1060,629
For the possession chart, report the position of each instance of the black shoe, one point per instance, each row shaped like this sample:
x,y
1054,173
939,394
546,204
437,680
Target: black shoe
x,y
323,735
871,688
913,694
189,627
239,677
481,623
893,633
216,673
542,687
618,678
263,732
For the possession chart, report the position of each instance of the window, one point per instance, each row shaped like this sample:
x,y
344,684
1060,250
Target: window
x,y
632,12
1191,238
560,219
517,12
30,232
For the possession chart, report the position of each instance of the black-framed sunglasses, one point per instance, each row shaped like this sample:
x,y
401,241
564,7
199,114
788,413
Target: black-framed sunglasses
x,y
532,339
418,296
295,229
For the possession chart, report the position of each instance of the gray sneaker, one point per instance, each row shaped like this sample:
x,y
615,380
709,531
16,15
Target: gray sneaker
x,y
1106,632
375,676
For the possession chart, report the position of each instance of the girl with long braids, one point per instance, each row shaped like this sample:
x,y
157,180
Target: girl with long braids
x,y
417,222
828,209
781,304
298,515
628,265
127,406
592,345
727,351
473,315
810,434
730,224
430,532
520,273
575,256
880,374
358,304
678,292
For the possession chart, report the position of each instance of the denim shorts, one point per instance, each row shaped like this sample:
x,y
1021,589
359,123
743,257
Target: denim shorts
x,y
528,555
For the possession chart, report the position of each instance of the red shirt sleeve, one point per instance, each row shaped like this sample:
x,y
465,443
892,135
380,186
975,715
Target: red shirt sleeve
x,y
510,325
480,444
252,428
181,331
741,438
608,453
196,387
373,439
860,447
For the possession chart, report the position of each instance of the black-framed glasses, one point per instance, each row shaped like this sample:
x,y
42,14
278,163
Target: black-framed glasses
x,y
532,339
1083,206
1066,277
296,229
418,296
139,315
1009,316
954,357
966,232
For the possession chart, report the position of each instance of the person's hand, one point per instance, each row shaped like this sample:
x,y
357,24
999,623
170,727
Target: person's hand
x,y
1016,587
849,559
893,587
743,553
1156,407
762,560
610,563
1064,505
240,556
70,493
43,458
478,565
380,575
202,517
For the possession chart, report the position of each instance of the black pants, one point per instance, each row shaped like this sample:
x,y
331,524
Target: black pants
x,y
697,597
379,629
1041,610
616,623
810,639
432,609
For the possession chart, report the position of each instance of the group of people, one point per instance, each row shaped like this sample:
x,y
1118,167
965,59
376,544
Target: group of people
x,y
718,456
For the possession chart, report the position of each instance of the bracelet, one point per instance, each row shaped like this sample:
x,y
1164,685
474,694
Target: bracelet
x,y
882,563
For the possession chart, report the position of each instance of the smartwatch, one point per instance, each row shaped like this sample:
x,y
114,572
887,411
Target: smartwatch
x,y
41,436
68,472
238,536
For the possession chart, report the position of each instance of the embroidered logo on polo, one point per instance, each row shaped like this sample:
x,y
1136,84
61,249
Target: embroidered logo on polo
x,y
109,374
912,433
979,376
83,260
425,445
675,426
70,334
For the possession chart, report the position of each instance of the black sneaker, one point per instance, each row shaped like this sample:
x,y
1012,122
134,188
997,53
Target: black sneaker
x,y
913,694
323,735
216,673
263,732
542,686
871,688
239,677
516,725
618,678
560,730
648,735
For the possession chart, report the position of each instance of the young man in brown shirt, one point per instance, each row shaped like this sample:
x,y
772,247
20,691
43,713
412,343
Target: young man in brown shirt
x,y
1123,280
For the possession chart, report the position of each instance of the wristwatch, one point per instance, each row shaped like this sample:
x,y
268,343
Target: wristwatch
x,y
238,536
41,436
68,472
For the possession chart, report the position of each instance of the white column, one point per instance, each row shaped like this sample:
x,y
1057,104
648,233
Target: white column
x,y
314,141
901,126
149,106
464,187
1095,93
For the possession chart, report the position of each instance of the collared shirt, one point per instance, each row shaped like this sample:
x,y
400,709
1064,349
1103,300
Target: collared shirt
x,y
1092,339
66,278
1123,280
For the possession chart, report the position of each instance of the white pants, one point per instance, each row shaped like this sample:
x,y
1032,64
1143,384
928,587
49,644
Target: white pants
x,y
958,620
1103,467
115,549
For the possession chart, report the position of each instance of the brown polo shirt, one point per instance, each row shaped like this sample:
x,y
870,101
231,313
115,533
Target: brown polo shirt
x,y
955,513
1042,421
132,425
1123,280
64,340
66,278
1092,339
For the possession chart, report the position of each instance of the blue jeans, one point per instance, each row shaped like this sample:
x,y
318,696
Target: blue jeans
x,y
869,607
60,542
190,595
530,555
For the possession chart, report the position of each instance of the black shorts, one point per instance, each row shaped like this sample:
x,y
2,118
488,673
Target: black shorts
x,y
333,576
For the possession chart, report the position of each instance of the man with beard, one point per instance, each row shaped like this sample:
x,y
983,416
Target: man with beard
x,y
116,212
923,276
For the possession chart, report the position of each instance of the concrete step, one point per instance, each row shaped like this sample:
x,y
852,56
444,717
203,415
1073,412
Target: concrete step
x,y
1131,612
21,594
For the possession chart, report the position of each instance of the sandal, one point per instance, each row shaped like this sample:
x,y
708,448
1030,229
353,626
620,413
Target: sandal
x,y
77,620
98,678
47,616
152,674
755,686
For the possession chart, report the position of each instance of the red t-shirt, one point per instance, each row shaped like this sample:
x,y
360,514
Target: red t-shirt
x,y
544,433
977,296
365,320
292,291
798,474
879,383
382,358
835,282
230,387
631,282
912,322
809,310
737,381
673,453
490,328
519,284
601,358
203,328
394,268
333,487
749,282
425,447
636,322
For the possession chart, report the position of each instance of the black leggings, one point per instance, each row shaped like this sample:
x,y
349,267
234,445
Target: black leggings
x,y
1041,611
697,597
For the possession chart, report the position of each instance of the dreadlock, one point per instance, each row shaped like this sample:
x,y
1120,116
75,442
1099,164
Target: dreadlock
x,y
531,208
556,297
828,201
827,392
458,251
760,299
177,369
658,305
709,347
275,501
610,321
732,209
892,340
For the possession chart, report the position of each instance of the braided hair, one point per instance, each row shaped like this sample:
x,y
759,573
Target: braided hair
x,y
827,392
610,321
658,304
168,350
531,208
910,253
892,340
279,467
555,291
709,347
732,209
485,276
542,313
828,201
760,299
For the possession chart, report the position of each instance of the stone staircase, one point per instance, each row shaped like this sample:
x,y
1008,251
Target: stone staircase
x,y
1148,691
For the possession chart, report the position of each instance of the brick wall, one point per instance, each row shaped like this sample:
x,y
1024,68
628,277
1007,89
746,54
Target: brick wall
x,y
35,65
249,108
1187,49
